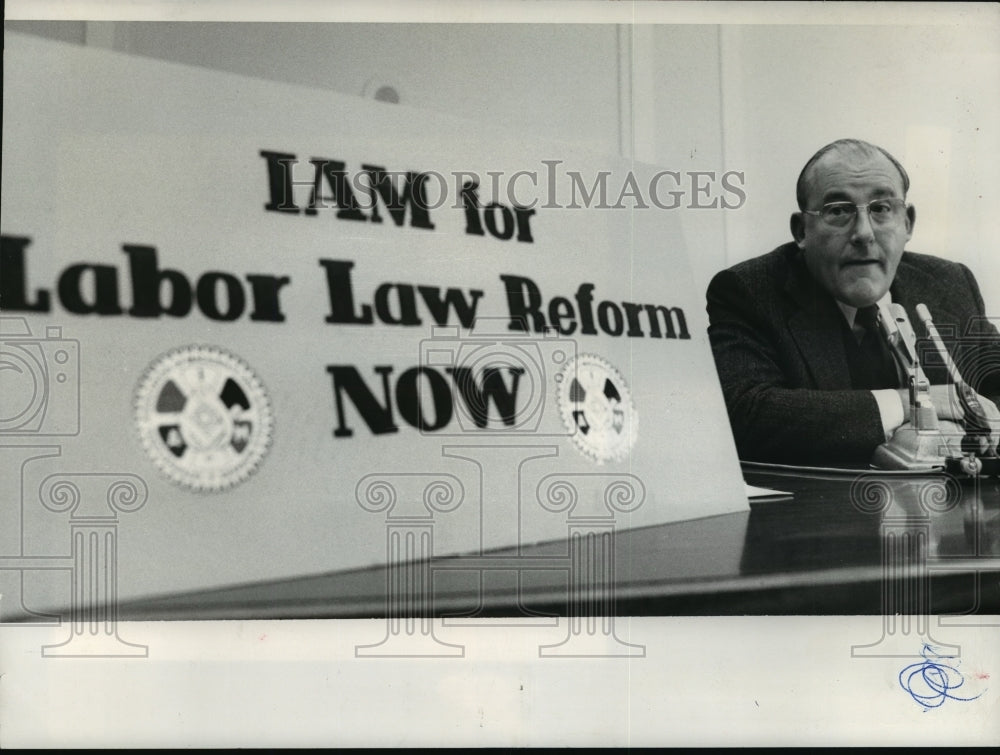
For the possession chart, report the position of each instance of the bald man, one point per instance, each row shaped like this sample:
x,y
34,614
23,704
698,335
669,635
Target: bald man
x,y
806,377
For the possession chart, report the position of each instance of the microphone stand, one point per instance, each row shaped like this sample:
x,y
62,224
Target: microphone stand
x,y
979,448
920,444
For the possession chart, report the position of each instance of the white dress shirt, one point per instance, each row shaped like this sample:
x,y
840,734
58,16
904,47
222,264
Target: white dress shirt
x,y
890,402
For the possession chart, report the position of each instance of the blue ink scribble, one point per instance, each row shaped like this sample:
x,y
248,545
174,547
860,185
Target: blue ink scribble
x,y
931,683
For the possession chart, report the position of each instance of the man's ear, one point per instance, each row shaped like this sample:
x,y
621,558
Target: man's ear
x,y
911,220
798,226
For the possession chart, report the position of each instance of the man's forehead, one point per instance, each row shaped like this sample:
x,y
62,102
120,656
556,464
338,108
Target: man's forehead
x,y
842,169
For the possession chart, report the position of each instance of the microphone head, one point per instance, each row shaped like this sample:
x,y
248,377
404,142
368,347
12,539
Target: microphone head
x,y
899,313
923,313
901,335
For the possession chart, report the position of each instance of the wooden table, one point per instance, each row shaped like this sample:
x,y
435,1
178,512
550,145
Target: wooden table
x,y
859,542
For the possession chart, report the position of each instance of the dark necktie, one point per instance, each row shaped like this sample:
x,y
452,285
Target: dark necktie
x,y
870,360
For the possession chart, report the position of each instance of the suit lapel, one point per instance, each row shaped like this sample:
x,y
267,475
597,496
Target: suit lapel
x,y
913,286
815,325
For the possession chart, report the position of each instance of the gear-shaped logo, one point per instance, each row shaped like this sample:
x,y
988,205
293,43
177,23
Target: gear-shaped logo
x,y
596,407
204,417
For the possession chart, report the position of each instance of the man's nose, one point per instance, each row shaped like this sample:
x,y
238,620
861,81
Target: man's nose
x,y
862,232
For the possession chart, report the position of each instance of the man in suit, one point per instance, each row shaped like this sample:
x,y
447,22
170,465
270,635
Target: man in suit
x,y
806,375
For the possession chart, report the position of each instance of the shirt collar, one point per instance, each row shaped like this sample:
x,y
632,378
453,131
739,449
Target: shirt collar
x,y
850,312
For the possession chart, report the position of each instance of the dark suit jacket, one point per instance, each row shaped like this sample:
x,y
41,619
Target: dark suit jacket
x,y
779,350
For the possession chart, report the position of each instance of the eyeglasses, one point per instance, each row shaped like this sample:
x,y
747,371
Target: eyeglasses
x,y
841,214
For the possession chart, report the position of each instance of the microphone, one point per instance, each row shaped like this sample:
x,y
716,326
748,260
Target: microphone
x,y
975,416
899,333
905,330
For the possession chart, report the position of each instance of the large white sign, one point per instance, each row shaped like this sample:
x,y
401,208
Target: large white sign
x,y
252,327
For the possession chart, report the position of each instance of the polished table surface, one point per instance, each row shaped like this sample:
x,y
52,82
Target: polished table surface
x,y
863,542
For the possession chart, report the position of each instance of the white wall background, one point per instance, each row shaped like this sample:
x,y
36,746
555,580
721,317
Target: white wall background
x,y
928,94
755,98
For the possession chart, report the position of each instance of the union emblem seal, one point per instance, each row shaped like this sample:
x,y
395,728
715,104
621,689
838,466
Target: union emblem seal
x,y
596,407
204,417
